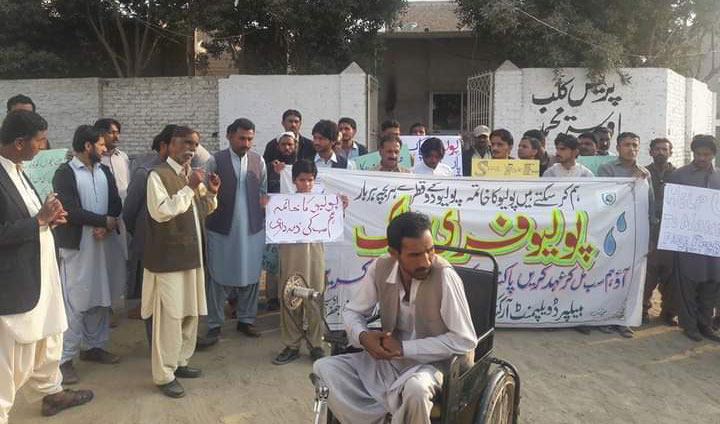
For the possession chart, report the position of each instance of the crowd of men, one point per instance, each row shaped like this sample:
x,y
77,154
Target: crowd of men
x,y
183,230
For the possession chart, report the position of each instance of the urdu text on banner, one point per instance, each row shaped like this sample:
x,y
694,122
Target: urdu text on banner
x,y
570,252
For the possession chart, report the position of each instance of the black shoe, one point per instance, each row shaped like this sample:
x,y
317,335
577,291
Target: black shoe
x,y
287,355
68,373
316,353
693,335
172,389
668,319
272,305
187,372
101,356
210,339
247,329
583,329
52,404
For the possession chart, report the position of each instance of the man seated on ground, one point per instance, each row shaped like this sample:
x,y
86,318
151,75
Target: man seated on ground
x,y
433,152
425,319
389,148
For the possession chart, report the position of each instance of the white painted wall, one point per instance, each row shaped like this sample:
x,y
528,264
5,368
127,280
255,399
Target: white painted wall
x,y
656,103
263,99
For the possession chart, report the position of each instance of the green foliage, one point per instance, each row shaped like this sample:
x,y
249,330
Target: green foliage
x,y
602,35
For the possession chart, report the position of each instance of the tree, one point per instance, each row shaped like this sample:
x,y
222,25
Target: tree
x,y
297,36
35,42
602,35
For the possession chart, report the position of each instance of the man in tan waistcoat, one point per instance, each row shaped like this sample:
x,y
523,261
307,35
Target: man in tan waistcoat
x,y
425,319
173,291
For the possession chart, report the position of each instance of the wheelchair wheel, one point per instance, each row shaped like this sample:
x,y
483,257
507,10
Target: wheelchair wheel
x,y
497,404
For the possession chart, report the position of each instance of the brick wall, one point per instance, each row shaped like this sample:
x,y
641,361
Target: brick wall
x,y
64,103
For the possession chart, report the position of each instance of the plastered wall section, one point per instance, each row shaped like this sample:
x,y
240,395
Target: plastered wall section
x,y
656,103
263,99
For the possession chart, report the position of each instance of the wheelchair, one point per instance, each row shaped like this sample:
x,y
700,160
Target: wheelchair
x,y
486,393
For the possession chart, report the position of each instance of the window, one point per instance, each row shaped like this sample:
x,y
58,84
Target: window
x,y
447,113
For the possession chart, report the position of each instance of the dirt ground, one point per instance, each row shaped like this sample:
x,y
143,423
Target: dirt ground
x,y
658,377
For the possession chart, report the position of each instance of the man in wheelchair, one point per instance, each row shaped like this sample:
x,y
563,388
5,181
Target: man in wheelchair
x,y
425,319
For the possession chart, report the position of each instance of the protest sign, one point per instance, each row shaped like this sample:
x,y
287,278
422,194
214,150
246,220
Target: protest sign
x,y
42,168
505,168
368,161
690,220
303,218
453,150
593,163
570,252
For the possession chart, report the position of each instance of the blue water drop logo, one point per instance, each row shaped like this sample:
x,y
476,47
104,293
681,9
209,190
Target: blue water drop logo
x,y
610,245
622,223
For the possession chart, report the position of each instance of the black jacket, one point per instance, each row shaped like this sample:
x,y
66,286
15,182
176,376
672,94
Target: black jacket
x,y
64,183
19,251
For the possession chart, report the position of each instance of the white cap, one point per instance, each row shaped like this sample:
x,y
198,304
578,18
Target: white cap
x,y
481,130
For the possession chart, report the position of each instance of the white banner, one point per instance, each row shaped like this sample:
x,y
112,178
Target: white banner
x,y
303,218
570,252
691,220
453,149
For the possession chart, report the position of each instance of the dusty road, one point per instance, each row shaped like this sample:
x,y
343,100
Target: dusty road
x,y
658,377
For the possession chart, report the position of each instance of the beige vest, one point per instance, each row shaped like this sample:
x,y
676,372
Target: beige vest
x,y
428,320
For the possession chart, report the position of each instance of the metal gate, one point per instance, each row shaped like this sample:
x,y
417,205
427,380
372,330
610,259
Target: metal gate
x,y
373,96
480,99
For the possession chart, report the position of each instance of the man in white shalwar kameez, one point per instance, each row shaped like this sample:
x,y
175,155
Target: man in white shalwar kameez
x,y
32,316
425,319
173,291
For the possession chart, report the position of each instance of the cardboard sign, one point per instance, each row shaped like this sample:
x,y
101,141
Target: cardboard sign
x,y
505,168
42,168
303,218
690,220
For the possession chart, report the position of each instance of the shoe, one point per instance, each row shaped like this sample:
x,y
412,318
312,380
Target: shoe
x,y
172,389
247,329
668,319
316,353
583,329
287,355
625,331
204,342
187,372
101,356
693,335
710,334
272,305
68,373
605,329
52,404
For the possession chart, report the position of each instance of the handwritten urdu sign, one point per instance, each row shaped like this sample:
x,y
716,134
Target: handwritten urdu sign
x,y
505,168
303,218
453,149
690,220
570,252
42,168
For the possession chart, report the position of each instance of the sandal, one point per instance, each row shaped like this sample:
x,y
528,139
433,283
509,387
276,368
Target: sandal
x,y
52,404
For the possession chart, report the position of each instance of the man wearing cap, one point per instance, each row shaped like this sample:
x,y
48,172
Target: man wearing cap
x,y
480,148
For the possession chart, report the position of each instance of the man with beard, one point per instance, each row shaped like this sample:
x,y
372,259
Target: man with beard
x,y
588,144
236,231
348,148
603,135
425,318
696,278
389,148
291,121
173,291
92,264
480,148
659,263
